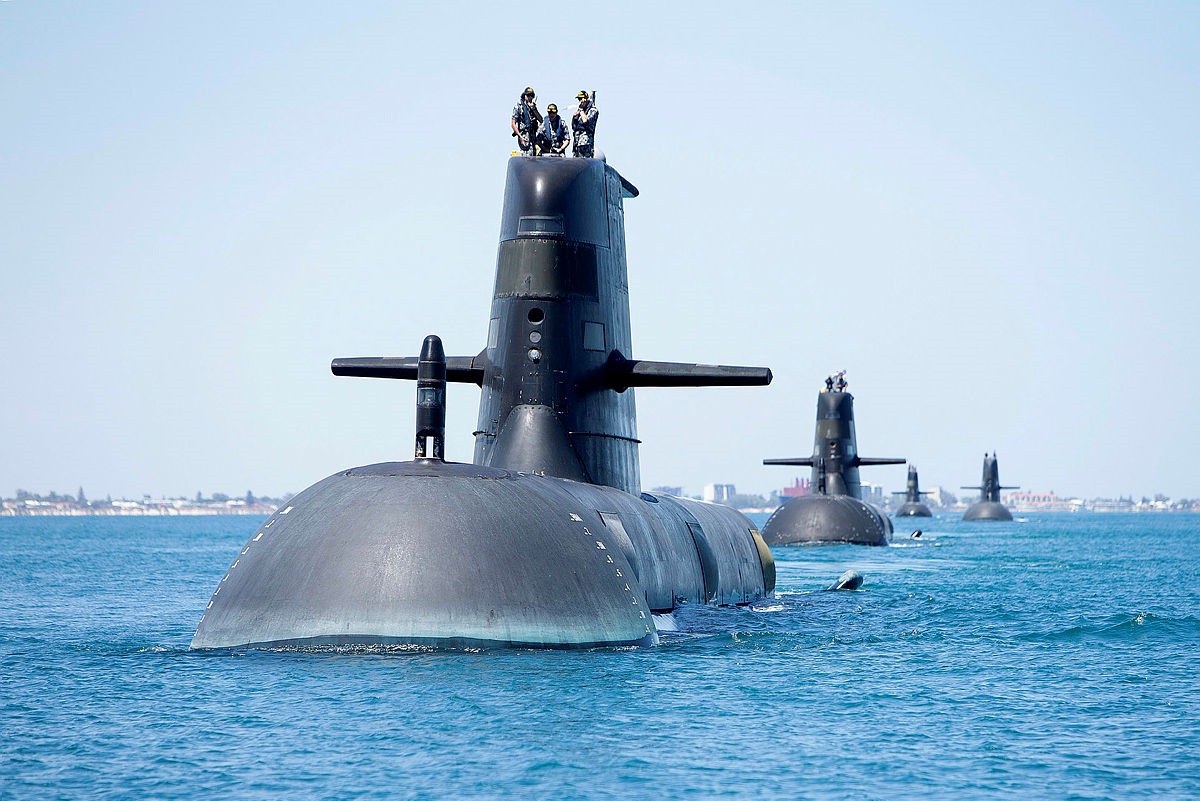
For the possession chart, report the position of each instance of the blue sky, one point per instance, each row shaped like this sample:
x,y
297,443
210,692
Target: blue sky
x,y
985,213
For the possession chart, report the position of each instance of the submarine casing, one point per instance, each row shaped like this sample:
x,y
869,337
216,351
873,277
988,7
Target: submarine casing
x,y
987,510
456,555
814,519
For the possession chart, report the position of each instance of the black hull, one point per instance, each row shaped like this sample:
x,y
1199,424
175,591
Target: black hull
x,y
987,510
816,519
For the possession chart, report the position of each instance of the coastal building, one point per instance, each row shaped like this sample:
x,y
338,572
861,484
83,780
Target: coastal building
x,y
719,493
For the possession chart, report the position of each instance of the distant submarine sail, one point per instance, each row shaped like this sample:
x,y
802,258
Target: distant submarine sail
x,y
989,507
912,506
835,511
546,540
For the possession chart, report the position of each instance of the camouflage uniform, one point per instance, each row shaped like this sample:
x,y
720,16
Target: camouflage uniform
x,y
527,117
583,125
550,136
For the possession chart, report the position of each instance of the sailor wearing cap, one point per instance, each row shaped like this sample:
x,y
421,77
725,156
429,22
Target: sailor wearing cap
x,y
552,136
583,125
525,118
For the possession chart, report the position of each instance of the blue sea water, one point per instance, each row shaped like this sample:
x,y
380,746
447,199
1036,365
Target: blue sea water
x,y
1052,657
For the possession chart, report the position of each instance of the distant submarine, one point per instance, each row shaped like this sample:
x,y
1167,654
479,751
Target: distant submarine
x,y
989,507
912,506
546,540
835,511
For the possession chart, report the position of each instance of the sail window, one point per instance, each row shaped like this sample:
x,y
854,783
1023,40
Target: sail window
x,y
540,226
593,336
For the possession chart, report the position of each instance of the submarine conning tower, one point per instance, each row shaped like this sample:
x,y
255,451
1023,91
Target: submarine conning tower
x,y
560,312
557,370
835,460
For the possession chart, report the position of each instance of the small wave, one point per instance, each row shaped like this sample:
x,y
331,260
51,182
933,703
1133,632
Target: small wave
x,y
1121,627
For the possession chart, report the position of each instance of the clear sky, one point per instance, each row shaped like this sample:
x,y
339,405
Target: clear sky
x,y
987,213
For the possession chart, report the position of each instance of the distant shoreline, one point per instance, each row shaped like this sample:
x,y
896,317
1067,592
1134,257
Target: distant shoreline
x,y
144,512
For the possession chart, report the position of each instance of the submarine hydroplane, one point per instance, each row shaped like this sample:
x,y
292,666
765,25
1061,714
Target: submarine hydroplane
x,y
544,540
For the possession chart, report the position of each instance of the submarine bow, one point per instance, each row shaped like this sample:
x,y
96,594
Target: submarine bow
x,y
546,540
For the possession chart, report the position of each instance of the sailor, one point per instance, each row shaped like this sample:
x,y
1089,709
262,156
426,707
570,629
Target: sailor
x,y
552,134
525,119
583,125
829,383
841,381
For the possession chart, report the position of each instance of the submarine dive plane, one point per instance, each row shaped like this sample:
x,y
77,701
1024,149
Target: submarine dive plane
x,y
835,511
988,507
912,506
546,539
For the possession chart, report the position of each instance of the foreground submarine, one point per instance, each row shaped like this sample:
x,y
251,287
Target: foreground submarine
x,y
912,506
546,539
835,511
989,507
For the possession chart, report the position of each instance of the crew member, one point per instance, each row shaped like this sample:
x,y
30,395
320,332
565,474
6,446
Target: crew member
x,y
525,119
583,125
552,136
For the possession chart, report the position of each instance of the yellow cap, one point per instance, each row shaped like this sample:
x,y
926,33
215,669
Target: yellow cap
x,y
529,91
583,95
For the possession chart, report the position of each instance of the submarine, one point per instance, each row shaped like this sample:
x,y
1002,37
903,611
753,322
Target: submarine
x,y
545,539
912,506
835,511
988,507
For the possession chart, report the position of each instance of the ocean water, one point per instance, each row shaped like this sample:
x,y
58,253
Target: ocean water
x,y
1053,657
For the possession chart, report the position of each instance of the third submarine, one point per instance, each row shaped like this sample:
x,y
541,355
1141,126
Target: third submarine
x,y
988,507
546,540
912,506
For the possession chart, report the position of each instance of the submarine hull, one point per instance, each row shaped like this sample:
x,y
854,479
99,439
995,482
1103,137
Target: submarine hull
x,y
816,519
987,510
453,555
913,510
